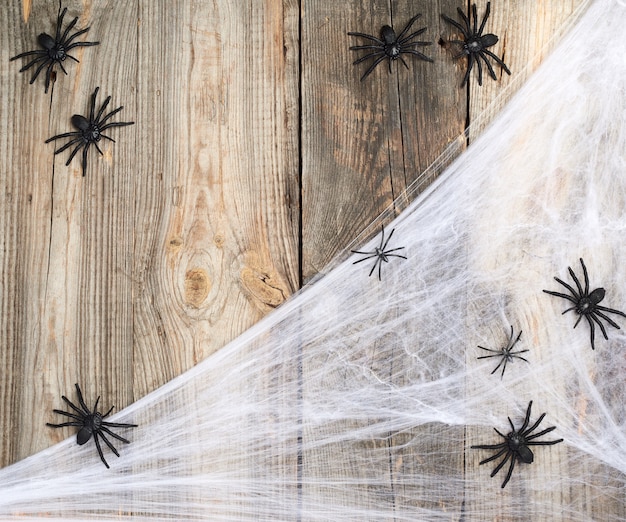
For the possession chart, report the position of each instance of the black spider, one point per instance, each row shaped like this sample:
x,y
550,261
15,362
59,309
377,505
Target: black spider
x,y
516,444
380,253
90,131
505,353
55,50
586,304
475,44
91,423
390,46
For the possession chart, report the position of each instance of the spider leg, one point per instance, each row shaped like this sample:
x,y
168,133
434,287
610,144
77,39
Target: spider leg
x,y
593,332
456,24
475,16
564,296
489,446
68,144
470,64
408,26
402,60
84,162
48,75
369,37
114,124
383,243
38,70
585,275
371,68
362,47
376,263
67,30
527,419
63,424
508,455
60,23
394,255
534,436
93,103
492,73
465,21
486,15
33,62
63,68
69,56
610,310
29,53
74,407
406,41
493,457
580,316
592,317
76,149
119,425
500,364
510,472
95,144
580,289
417,53
495,353
69,414
372,254
525,431
79,44
367,56
114,435
95,438
498,60
81,401
101,111
480,69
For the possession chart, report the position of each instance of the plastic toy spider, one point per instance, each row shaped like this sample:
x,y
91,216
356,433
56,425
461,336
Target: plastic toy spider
x,y
381,253
516,444
55,50
506,353
475,44
389,46
90,131
91,423
586,304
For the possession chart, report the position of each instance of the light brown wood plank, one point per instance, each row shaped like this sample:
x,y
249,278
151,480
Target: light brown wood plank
x,y
218,172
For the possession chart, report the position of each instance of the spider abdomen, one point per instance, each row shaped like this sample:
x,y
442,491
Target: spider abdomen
x,y
90,424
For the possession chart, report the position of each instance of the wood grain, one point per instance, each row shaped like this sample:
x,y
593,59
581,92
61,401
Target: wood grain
x,y
257,155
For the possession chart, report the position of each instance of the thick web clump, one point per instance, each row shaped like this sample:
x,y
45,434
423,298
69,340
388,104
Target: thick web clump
x,y
360,399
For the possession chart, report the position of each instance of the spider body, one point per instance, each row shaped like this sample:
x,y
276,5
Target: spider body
x,y
506,353
475,44
390,47
90,130
586,304
54,50
381,253
516,445
91,423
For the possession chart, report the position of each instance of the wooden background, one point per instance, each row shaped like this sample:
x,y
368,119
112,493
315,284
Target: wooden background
x,y
257,156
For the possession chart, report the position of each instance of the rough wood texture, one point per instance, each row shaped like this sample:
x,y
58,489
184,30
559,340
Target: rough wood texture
x,y
257,155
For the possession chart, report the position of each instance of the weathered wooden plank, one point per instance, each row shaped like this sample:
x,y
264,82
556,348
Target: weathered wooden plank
x,y
527,30
218,175
365,141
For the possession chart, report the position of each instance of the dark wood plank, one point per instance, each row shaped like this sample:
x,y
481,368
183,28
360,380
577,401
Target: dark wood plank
x,y
365,142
